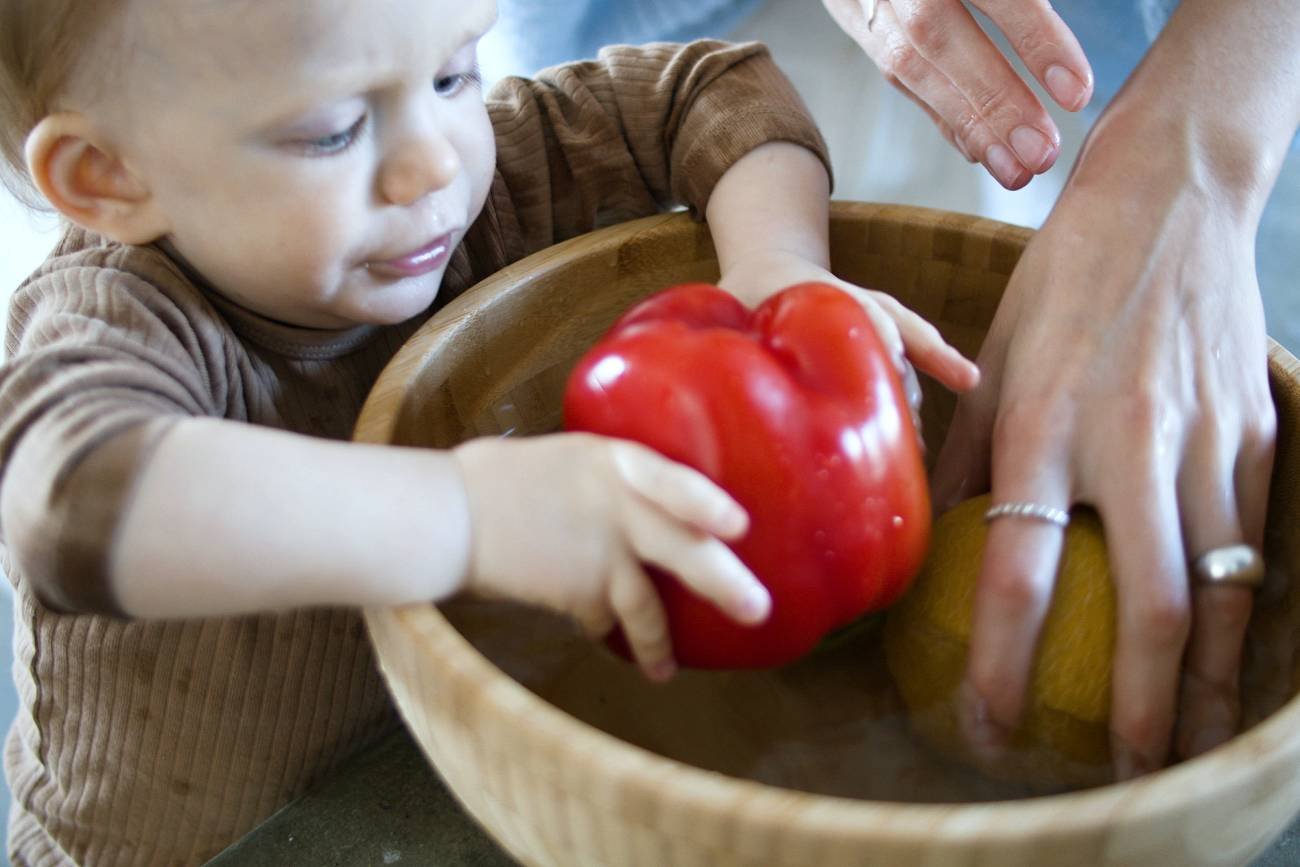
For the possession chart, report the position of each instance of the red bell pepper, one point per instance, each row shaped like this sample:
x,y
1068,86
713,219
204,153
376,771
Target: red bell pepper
x,y
796,410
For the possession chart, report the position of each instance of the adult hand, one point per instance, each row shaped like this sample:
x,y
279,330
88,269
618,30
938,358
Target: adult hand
x,y
1126,368
936,53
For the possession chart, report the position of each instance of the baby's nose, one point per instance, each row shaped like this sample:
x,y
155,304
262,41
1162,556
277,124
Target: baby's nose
x,y
418,167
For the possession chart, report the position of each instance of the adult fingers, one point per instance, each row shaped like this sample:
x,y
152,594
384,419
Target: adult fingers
x,y
640,612
944,129
995,114
962,467
683,492
704,565
1217,488
1254,467
905,67
1017,576
1153,618
1047,46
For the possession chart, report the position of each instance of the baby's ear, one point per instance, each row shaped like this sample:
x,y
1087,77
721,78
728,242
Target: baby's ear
x,y
76,169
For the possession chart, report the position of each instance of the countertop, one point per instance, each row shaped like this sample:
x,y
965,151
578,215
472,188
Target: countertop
x,y
388,806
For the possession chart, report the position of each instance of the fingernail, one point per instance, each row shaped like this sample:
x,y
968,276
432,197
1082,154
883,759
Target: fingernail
x,y
1031,146
755,605
662,671
1207,739
733,522
1005,167
1065,87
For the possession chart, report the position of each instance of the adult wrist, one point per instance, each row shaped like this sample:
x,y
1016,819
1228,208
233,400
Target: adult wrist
x,y
1148,149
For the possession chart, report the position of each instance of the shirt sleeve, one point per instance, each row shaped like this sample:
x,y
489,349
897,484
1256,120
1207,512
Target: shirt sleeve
x,y
637,131
101,362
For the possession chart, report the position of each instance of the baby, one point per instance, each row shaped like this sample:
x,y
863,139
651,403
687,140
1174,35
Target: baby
x,y
264,201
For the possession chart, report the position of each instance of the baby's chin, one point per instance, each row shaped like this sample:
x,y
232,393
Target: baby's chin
x,y
394,302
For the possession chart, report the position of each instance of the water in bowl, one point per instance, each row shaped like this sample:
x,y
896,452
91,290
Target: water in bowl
x,y
831,724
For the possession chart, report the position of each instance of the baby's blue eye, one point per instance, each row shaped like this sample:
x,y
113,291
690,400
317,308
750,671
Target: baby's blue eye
x,y
450,85
338,142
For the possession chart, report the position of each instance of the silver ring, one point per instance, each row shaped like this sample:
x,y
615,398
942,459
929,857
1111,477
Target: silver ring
x,y
1231,564
1033,511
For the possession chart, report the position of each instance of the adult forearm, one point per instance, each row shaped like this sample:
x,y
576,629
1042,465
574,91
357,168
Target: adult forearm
x,y
231,519
1221,88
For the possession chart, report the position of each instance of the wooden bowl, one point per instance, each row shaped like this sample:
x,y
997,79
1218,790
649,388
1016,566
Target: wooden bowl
x,y
762,768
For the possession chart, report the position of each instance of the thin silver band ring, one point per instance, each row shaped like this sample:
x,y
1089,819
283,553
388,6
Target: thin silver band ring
x,y
1032,511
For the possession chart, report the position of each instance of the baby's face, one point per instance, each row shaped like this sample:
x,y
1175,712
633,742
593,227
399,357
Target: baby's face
x,y
318,160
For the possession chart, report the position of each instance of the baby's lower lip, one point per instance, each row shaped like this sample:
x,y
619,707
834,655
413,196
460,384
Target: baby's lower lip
x,y
430,257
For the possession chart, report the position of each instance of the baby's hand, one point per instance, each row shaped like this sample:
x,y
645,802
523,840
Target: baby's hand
x,y
565,522
907,336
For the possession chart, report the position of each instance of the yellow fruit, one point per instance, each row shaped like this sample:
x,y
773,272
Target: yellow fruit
x,y
1063,738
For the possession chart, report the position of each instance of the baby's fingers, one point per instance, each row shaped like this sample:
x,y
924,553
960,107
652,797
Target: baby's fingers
x,y
640,612
684,493
925,346
703,564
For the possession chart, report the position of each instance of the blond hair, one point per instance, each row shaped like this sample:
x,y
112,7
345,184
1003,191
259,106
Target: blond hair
x,y
41,42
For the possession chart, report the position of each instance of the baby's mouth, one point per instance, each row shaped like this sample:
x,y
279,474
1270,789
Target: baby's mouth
x,y
415,263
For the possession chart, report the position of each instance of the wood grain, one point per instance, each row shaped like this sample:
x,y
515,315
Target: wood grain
x,y
557,791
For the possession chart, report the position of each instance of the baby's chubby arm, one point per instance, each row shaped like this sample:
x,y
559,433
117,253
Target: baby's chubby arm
x,y
769,217
561,521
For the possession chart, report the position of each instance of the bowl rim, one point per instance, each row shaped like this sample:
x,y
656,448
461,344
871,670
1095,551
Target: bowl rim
x,y
651,776
1264,747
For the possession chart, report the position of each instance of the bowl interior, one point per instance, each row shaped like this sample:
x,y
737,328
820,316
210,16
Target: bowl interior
x,y
495,363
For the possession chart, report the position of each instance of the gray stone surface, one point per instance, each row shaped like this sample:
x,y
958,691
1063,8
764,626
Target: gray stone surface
x,y
385,806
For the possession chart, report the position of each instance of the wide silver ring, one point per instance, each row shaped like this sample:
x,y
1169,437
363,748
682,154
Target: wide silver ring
x,y
1232,564
1033,511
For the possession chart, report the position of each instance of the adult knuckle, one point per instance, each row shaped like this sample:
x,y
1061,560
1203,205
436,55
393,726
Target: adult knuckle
x,y
993,102
1259,427
903,64
1024,42
1143,727
1141,411
997,689
1027,35
928,30
967,127
1164,617
1018,595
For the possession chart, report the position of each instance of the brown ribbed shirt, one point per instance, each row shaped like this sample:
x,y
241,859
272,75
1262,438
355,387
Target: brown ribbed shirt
x,y
161,742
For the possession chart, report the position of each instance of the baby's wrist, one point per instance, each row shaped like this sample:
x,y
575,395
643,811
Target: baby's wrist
x,y
478,465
